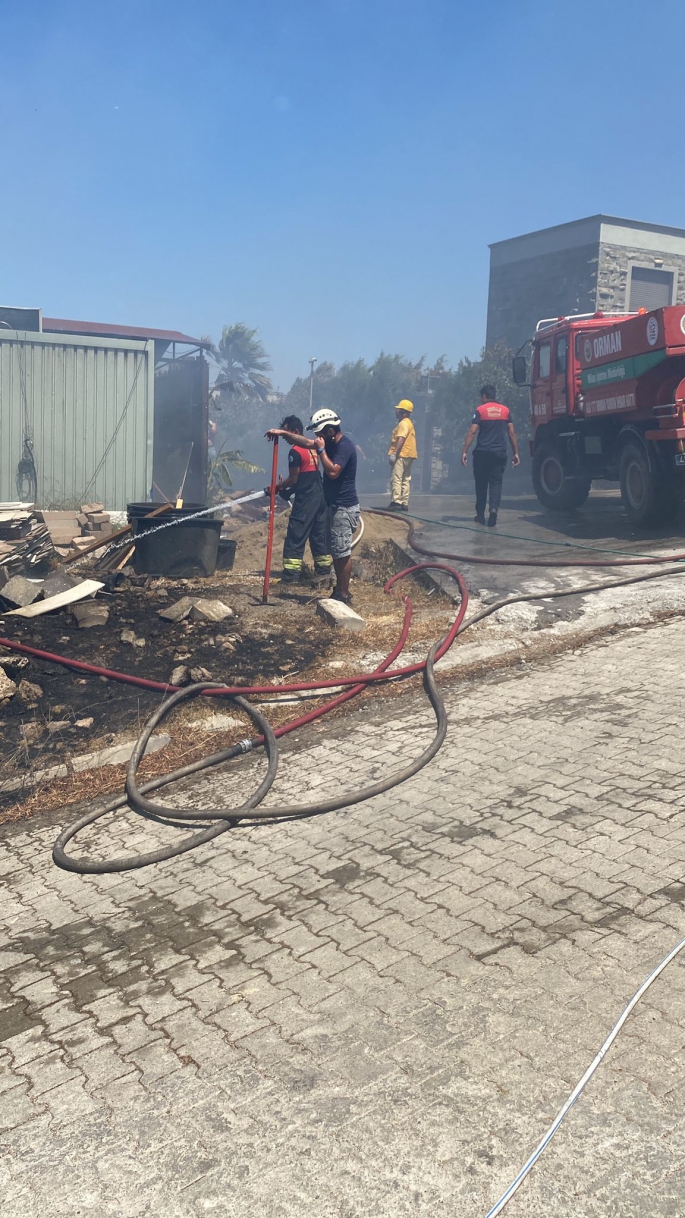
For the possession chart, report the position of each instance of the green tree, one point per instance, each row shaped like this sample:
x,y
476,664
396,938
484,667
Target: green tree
x,y
364,395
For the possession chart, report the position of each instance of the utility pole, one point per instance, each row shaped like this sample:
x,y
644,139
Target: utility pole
x,y
311,385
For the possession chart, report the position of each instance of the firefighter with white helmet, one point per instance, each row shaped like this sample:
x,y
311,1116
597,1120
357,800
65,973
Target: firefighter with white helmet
x,y
338,457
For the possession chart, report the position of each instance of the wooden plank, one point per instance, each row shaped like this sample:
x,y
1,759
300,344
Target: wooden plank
x,y
79,593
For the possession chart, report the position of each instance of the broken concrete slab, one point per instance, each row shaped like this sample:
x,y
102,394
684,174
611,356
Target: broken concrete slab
x,y
337,613
20,591
180,676
91,613
209,611
7,687
197,608
178,611
58,725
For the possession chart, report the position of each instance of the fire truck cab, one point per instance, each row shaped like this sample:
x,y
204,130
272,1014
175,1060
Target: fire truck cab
x,y
607,396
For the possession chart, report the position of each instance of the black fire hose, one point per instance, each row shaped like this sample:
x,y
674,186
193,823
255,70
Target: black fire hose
x,y
229,818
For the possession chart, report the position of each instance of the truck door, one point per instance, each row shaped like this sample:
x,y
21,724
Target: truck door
x,y
558,377
541,393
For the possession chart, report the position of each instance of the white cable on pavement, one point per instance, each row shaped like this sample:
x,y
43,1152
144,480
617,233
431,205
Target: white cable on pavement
x,y
360,534
546,1139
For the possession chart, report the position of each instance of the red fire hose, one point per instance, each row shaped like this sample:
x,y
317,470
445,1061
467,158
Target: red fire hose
x,y
229,691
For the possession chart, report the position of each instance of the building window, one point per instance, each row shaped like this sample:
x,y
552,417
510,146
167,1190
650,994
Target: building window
x,y
650,288
543,359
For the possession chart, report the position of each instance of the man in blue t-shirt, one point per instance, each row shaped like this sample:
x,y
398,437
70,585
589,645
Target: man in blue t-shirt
x,y
339,461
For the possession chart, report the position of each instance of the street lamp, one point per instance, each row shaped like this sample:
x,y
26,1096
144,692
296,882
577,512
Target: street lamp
x,y
311,385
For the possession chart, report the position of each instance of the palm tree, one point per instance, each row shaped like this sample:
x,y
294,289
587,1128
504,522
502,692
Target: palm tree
x,y
242,365
219,480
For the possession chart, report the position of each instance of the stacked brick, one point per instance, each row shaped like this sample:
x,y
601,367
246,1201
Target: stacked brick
x,y
74,530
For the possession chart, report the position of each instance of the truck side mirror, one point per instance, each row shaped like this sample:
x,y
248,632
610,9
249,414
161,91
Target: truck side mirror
x,y
519,371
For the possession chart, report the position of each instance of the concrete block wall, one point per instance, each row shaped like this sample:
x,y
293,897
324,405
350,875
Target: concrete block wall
x,y
613,273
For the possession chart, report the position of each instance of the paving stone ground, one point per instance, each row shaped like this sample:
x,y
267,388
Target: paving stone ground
x,y
379,1011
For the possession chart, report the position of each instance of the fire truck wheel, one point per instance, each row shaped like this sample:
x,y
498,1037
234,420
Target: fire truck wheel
x,y
553,487
648,496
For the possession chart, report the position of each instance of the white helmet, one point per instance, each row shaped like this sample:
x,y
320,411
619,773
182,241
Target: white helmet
x,y
323,418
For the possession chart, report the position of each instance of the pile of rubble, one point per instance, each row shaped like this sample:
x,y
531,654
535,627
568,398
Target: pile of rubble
x,y
32,597
29,598
74,530
24,538
29,536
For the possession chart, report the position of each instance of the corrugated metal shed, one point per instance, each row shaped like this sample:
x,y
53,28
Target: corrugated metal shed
x,y
88,404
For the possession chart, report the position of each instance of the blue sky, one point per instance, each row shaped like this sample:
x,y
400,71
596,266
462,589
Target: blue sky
x,y
329,171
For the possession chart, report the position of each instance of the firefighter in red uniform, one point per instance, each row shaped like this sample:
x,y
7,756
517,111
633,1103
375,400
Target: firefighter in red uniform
x,y
308,518
493,426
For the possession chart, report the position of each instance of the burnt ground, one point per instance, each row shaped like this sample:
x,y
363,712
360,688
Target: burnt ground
x,y
282,641
230,651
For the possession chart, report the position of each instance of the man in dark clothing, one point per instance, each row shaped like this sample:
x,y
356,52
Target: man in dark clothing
x,y
493,426
308,520
339,460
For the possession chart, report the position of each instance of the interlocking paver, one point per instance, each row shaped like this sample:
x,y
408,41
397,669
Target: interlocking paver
x,y
377,1011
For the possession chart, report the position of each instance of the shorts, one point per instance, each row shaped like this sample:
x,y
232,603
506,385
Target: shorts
x,y
342,522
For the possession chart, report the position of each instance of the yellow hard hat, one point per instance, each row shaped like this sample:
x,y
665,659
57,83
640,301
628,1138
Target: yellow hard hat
x,y
405,404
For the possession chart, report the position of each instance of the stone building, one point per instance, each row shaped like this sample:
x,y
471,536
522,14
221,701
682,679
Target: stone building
x,y
601,262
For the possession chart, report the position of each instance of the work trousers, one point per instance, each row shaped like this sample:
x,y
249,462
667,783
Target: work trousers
x,y
307,523
488,472
400,480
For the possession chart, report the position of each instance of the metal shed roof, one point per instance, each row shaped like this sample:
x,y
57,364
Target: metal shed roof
x,y
100,329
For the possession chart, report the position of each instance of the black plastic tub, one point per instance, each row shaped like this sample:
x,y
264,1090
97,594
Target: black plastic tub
x,y
227,549
189,548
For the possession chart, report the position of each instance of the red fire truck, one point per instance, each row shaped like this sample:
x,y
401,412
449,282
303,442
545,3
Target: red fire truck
x,y
607,400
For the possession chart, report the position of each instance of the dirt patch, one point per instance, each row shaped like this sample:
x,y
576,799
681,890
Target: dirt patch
x,y
252,538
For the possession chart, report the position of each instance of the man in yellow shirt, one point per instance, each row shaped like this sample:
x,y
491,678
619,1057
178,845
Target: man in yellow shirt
x,y
402,455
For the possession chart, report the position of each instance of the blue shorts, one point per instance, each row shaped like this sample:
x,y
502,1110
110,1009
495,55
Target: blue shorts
x,y
342,522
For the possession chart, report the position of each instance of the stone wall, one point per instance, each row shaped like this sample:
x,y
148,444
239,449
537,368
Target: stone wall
x,y
549,285
612,274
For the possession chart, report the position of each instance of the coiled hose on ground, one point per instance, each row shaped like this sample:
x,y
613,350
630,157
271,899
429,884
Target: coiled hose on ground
x,y
248,812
